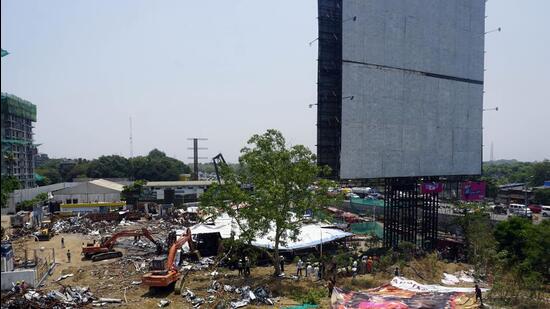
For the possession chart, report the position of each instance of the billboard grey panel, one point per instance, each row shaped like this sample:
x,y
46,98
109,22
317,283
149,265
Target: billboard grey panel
x,y
415,71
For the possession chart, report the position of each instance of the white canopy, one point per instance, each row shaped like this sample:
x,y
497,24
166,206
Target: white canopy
x,y
310,235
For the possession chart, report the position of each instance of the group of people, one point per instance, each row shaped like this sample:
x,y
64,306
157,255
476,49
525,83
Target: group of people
x,y
310,269
20,287
243,266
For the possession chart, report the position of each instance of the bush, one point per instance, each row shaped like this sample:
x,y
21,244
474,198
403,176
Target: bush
x,y
312,296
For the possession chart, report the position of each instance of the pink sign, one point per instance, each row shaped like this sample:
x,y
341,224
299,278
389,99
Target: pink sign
x,y
473,190
431,187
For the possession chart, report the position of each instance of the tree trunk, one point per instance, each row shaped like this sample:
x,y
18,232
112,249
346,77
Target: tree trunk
x,y
276,259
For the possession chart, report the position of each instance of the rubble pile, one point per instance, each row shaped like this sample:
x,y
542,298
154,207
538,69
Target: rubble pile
x,y
66,297
83,225
240,297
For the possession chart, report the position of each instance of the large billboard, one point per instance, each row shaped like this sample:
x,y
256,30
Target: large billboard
x,y
411,87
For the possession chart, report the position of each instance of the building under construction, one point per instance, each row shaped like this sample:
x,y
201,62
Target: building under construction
x,y
18,149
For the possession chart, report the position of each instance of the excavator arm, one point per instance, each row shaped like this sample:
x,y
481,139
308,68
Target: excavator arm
x,y
186,238
105,249
171,272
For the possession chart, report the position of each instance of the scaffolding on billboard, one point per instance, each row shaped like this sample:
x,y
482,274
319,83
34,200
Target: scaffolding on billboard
x,y
409,215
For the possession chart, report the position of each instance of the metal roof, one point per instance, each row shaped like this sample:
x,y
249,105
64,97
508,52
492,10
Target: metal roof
x,y
108,184
178,183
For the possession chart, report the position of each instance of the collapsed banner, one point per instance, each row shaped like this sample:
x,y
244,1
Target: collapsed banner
x,y
413,296
473,191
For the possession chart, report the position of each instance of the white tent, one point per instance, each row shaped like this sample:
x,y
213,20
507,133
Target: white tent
x,y
310,235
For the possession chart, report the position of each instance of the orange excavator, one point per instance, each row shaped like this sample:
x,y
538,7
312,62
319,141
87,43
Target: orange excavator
x,y
104,250
169,273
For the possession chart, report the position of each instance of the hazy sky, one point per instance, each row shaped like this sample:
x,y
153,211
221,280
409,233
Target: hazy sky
x,y
225,70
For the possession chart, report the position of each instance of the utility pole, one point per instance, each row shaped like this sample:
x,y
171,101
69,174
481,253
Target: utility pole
x,y
196,157
131,140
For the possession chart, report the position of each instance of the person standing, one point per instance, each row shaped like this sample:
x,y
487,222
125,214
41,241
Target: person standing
x,y
478,294
369,265
299,266
246,266
69,256
396,272
240,266
62,243
354,269
282,263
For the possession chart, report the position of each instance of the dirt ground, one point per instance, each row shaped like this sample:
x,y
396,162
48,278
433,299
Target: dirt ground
x,y
113,278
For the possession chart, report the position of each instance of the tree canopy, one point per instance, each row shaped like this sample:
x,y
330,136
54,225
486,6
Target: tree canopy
x,y
285,184
155,166
9,184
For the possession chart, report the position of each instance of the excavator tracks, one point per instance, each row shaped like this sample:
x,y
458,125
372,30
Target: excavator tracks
x,y
106,256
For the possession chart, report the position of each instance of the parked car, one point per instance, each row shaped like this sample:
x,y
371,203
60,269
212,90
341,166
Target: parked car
x,y
499,209
545,211
520,210
536,209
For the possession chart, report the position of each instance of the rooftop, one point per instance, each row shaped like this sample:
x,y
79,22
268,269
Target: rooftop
x,y
178,183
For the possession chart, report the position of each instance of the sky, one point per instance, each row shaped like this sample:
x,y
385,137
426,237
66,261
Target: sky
x,y
225,70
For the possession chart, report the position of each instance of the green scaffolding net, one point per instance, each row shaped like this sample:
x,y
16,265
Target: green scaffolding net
x,y
14,105
368,228
367,206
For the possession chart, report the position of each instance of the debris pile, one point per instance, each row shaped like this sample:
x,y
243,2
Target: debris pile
x,y
64,298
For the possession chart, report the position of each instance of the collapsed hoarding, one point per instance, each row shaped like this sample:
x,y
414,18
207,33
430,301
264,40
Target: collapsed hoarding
x,y
402,293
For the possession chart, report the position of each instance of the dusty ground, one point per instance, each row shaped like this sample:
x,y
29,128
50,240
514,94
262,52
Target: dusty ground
x,y
113,278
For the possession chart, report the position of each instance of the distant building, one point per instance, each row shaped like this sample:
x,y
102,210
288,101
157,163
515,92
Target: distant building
x,y
40,159
95,191
18,149
514,193
184,191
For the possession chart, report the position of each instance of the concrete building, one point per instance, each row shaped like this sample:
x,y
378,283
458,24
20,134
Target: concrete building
x,y
184,191
40,159
514,193
18,149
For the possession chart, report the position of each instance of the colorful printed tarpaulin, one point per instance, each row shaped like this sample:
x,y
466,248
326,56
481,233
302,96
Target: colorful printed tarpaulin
x,y
413,295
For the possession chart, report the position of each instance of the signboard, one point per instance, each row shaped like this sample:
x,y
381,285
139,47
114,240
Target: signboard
x,y
431,187
412,88
473,191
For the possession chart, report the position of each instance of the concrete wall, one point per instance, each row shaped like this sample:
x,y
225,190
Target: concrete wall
x,y
28,194
29,275
415,70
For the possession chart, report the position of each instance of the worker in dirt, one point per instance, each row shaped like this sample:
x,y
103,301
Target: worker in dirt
x,y
69,256
321,270
369,265
17,287
246,266
396,272
478,295
240,266
24,287
299,266
282,263
62,243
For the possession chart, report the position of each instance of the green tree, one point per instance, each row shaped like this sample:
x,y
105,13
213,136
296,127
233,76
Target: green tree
x,y
540,172
112,166
9,184
157,166
542,196
285,184
132,193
